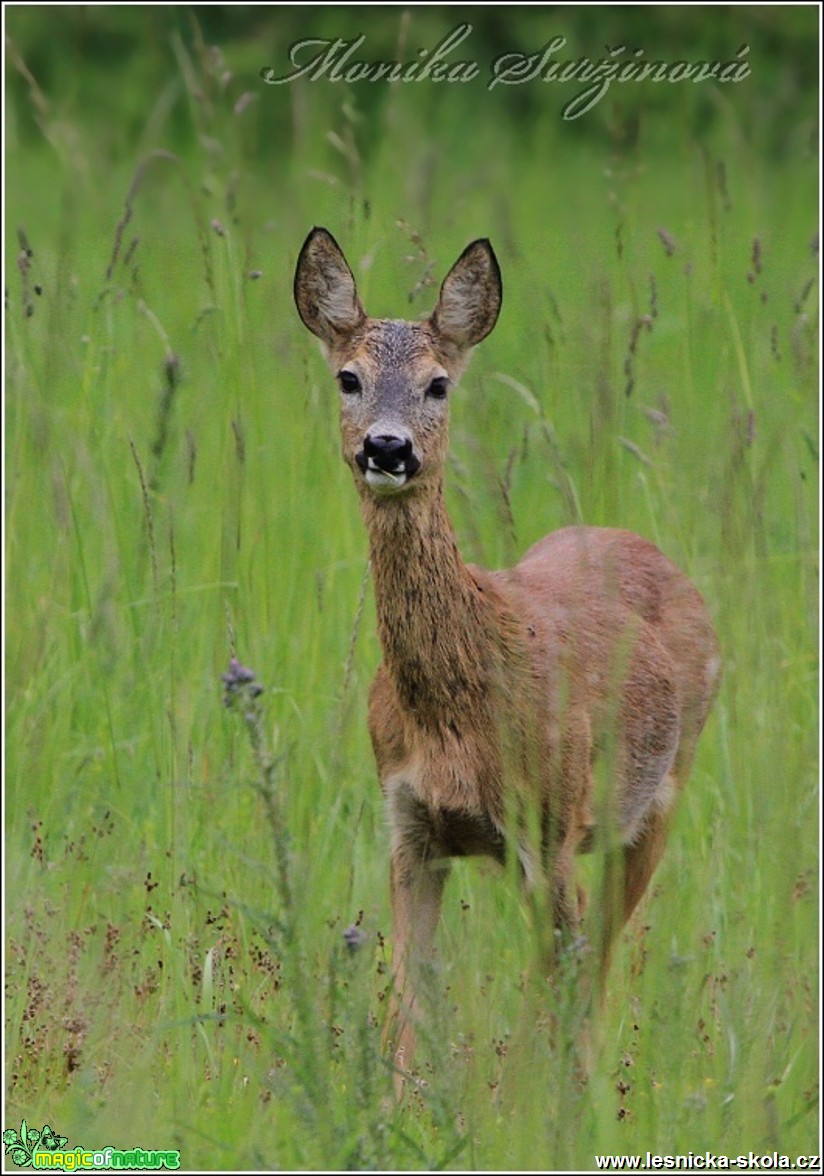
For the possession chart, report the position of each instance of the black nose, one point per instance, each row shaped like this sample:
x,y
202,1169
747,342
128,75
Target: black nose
x,y
388,453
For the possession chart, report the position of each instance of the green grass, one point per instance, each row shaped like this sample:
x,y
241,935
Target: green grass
x,y
175,496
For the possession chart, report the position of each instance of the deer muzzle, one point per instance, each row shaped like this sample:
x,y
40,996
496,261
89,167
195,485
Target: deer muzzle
x,y
387,461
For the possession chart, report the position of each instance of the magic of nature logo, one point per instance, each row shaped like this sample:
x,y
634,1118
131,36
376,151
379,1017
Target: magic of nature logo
x,y
46,1148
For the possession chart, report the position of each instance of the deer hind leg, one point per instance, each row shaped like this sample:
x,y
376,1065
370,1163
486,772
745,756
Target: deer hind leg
x,y
627,875
567,827
567,898
561,933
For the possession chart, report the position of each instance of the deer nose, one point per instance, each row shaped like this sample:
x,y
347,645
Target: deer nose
x,y
387,461
387,452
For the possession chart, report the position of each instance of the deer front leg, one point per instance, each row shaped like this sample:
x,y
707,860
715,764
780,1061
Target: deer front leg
x,y
417,885
418,872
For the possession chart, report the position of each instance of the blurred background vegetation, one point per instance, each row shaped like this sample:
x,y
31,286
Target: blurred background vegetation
x,y
121,59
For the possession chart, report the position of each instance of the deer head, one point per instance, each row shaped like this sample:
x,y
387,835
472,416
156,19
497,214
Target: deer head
x,y
395,376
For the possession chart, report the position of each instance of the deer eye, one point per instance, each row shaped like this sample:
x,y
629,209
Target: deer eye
x,y
438,388
349,382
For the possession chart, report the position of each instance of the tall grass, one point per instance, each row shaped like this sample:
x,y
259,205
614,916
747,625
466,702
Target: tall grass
x,y
197,921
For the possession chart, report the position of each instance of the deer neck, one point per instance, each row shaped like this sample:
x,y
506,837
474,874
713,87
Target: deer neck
x,y
437,625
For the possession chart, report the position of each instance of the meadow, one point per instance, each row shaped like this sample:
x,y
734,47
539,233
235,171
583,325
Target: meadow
x,y
180,873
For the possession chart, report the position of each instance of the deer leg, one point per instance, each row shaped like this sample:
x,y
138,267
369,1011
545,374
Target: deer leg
x,y
641,859
628,872
416,885
556,900
568,825
566,900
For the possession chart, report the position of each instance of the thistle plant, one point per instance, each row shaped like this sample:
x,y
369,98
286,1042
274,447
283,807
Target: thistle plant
x,y
242,695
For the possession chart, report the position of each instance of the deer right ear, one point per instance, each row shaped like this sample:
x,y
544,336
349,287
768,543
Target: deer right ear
x,y
325,291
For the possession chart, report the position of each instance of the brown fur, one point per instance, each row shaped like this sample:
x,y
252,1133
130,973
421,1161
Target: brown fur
x,y
498,690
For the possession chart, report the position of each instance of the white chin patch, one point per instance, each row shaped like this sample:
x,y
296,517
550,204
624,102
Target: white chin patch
x,y
385,483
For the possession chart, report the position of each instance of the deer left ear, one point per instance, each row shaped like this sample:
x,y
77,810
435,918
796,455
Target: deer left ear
x,y
325,291
470,299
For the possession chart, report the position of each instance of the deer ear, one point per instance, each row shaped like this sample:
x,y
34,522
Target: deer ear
x,y
470,298
325,291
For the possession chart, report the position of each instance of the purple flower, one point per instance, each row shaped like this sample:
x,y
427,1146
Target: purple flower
x,y
238,678
354,938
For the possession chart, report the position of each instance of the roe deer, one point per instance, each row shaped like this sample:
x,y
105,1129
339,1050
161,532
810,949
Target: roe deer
x,y
498,690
